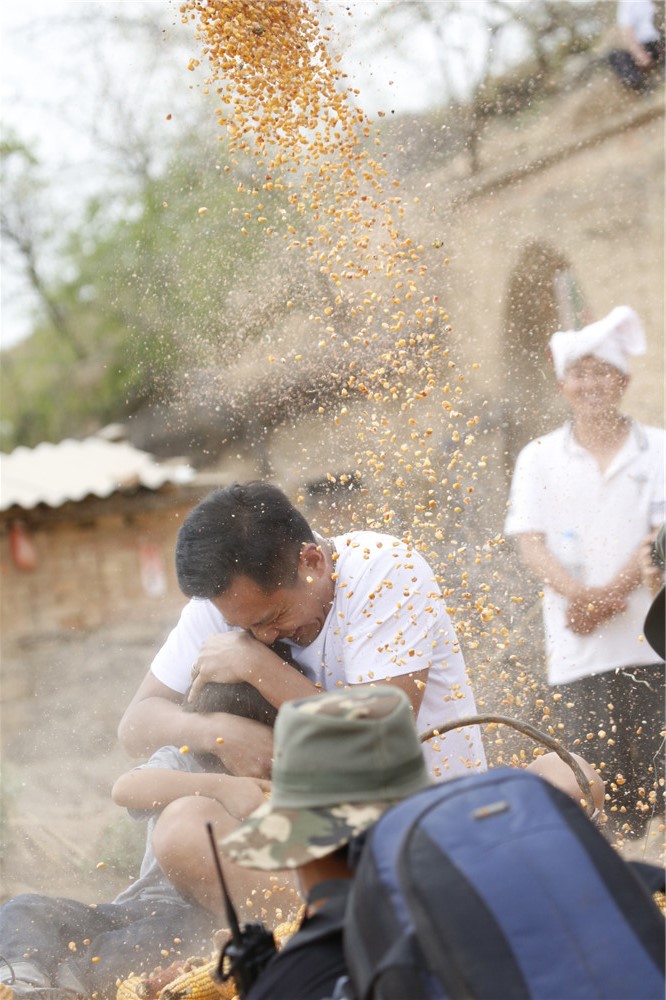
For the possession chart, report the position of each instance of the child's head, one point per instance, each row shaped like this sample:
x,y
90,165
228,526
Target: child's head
x,y
552,768
239,698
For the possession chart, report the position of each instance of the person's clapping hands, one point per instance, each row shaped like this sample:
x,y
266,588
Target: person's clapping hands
x,y
591,606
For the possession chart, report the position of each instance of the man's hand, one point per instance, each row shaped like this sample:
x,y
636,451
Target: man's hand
x,y
641,56
230,657
591,606
651,576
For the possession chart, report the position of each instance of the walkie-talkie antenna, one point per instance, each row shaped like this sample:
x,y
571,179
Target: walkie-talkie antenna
x,y
232,917
250,947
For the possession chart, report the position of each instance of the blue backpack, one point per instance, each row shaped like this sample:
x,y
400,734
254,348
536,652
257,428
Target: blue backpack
x,y
498,887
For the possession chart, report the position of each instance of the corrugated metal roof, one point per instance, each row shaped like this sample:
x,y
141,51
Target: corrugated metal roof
x,y
53,474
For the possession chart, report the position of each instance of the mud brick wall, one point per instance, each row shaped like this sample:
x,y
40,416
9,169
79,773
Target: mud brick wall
x,y
96,564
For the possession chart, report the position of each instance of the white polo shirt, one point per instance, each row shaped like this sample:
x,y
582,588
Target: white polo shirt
x,y
388,617
592,523
639,16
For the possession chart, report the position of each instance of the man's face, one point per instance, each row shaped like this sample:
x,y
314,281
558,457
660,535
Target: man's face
x,y
296,612
593,385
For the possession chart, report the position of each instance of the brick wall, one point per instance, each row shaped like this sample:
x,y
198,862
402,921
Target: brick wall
x,y
98,569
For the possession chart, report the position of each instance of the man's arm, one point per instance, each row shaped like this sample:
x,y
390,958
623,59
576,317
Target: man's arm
x,y
588,606
596,604
537,557
638,52
238,656
155,718
413,684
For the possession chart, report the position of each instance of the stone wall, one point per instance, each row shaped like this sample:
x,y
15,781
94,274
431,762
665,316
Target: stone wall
x,y
563,222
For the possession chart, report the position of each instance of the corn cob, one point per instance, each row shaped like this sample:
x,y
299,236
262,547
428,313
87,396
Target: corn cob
x,y
660,900
133,988
199,983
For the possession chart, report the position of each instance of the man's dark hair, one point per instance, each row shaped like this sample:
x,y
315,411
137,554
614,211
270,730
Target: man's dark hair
x,y
246,529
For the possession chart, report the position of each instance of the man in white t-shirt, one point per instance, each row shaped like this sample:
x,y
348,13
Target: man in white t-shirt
x,y
583,499
642,29
355,609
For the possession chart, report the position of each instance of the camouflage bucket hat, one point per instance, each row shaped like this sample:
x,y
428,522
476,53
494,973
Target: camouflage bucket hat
x,y
341,760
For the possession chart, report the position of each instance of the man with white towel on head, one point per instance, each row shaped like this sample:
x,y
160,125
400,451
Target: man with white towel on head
x,y
583,499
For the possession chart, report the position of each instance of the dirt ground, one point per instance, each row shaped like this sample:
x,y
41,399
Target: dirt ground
x,y
61,833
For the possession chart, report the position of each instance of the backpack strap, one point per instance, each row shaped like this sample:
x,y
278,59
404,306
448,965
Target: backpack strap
x,y
653,877
401,954
327,921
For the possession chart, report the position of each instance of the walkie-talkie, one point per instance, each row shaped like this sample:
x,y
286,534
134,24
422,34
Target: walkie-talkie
x,y
250,947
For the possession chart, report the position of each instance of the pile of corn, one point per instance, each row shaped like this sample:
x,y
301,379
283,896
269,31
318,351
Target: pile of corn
x,y
194,979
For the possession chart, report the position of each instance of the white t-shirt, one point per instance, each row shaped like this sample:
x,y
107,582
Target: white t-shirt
x,y
387,618
639,16
592,522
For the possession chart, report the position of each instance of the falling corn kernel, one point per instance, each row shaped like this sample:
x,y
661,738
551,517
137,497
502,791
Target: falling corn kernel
x,y
291,114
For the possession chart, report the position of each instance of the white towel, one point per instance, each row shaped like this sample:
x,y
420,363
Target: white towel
x,y
611,339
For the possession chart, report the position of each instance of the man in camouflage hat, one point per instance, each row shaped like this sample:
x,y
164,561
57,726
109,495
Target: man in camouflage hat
x,y
341,760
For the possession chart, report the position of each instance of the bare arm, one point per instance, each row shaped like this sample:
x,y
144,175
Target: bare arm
x,y
413,684
155,718
638,52
596,604
153,788
237,656
537,557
